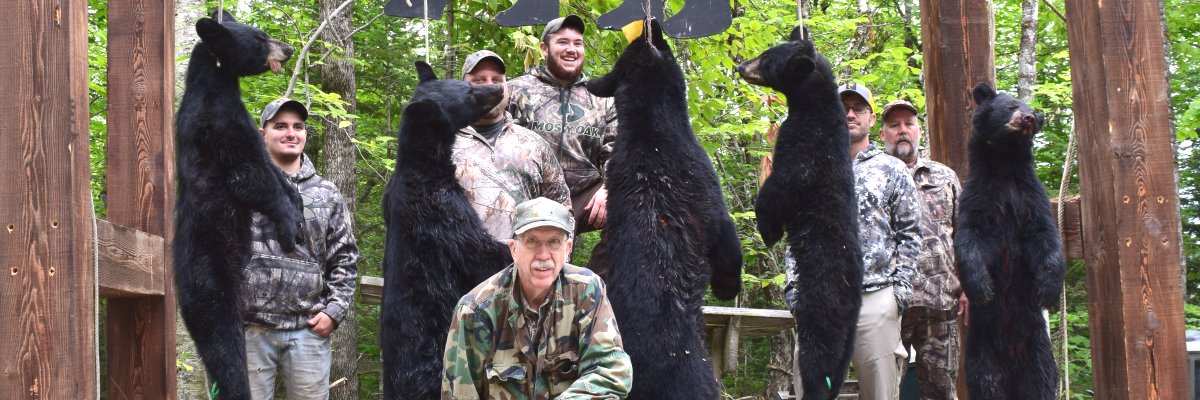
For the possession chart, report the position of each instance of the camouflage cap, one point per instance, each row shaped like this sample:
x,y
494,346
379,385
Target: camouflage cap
x,y
541,212
555,25
859,90
282,103
899,105
475,58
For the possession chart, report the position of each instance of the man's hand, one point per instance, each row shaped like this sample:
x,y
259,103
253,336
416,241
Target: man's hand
x,y
962,309
322,325
598,208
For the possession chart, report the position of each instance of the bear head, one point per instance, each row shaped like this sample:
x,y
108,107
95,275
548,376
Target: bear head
x,y
1002,122
445,106
241,49
788,67
646,67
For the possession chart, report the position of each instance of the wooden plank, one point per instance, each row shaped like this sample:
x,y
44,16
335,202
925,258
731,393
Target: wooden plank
x,y
141,56
1072,237
1130,205
48,349
957,41
131,261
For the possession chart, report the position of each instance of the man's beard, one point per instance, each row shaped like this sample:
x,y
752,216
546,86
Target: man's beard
x,y
907,152
559,72
496,112
858,135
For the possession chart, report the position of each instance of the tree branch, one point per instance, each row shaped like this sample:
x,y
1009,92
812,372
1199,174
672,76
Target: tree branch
x,y
308,44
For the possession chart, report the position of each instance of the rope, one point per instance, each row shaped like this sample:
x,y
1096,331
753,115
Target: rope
x,y
1065,381
95,286
220,11
425,9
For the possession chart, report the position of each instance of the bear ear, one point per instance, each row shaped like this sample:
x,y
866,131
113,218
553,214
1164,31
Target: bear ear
x,y
799,66
983,92
224,15
421,110
604,86
799,33
425,72
656,35
1039,120
210,31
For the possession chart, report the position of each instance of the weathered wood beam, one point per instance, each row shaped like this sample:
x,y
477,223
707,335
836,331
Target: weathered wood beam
x,y
1072,237
48,344
131,261
1130,206
958,41
141,68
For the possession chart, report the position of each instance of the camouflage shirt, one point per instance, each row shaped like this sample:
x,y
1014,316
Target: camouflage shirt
x,y
516,167
578,125
284,291
569,348
888,222
936,285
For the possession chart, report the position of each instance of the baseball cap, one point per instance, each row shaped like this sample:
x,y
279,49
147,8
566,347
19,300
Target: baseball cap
x,y
541,212
474,59
282,103
569,21
860,90
899,105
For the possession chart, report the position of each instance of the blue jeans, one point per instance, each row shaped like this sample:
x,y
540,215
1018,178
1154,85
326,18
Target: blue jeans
x,y
300,356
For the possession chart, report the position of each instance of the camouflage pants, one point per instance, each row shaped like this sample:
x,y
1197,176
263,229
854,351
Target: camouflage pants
x,y
934,336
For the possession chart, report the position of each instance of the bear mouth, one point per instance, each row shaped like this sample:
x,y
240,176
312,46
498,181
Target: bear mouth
x,y
275,66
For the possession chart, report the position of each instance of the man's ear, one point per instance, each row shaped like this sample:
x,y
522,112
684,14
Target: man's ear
x,y
512,246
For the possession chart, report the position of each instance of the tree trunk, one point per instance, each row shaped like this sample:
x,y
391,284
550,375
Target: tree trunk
x,y
340,167
1026,60
450,55
191,379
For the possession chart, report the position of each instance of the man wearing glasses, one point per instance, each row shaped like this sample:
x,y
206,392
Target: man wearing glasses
x,y
539,328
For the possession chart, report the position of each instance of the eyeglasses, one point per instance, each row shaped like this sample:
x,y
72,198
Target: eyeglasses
x,y
535,244
860,109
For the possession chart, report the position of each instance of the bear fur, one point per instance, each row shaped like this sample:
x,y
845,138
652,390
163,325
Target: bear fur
x,y
668,226
1009,254
436,248
810,196
223,174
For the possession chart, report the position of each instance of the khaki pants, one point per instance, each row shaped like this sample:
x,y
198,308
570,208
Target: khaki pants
x,y
878,355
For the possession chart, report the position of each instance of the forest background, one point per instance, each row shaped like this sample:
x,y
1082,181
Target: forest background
x,y
355,70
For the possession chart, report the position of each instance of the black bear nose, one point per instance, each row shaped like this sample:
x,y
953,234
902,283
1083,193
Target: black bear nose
x,y
287,51
1027,121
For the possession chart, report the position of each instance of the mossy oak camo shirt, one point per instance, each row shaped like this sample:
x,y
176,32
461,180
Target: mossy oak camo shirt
x,y
936,285
498,175
285,290
570,348
579,126
889,219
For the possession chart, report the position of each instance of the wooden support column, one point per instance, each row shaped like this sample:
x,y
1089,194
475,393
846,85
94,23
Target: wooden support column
x,y
957,38
1128,196
48,344
140,172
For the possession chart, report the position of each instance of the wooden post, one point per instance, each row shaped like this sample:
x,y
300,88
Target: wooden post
x,y
48,345
957,40
1128,196
140,171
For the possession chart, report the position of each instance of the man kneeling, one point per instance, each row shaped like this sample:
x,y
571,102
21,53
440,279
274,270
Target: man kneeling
x,y
539,329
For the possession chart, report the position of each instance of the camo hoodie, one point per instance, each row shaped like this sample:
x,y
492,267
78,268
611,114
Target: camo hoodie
x,y
283,291
578,125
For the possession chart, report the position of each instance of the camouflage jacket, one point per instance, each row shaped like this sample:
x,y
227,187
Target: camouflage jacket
x,y
284,291
580,126
498,348
888,222
497,176
936,284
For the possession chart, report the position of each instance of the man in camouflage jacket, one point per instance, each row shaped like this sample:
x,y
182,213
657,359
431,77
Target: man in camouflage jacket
x,y
539,329
295,300
930,323
580,127
501,164
889,231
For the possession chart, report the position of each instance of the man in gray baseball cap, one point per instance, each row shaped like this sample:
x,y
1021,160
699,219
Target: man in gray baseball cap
x,y
282,104
501,164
